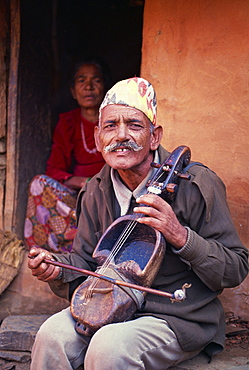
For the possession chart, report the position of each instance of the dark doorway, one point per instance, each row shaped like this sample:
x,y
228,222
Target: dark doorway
x,y
111,29
55,33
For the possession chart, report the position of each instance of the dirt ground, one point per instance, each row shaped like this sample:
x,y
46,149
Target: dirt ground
x,y
235,355
237,333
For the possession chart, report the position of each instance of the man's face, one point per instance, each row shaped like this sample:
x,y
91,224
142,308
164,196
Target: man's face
x,y
124,138
88,87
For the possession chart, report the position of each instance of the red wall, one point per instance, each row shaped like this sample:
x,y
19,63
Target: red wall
x,y
196,54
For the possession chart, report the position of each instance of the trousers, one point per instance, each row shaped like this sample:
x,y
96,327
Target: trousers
x,y
143,343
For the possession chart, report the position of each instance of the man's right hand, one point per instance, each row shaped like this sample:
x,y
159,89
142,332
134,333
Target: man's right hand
x,y
42,270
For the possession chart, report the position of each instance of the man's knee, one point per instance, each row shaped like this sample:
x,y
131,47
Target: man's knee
x,y
105,346
45,334
103,339
51,331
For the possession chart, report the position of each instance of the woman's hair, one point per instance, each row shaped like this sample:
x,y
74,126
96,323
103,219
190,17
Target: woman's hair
x,y
100,64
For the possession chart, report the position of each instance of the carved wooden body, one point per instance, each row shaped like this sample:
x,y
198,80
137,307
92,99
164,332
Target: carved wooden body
x,y
97,303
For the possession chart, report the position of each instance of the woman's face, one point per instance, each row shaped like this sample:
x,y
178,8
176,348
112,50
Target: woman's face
x,y
88,87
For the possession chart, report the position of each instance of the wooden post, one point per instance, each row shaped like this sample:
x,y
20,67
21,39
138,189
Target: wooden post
x,y
3,103
11,165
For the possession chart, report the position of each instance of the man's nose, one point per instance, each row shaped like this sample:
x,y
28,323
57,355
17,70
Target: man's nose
x,y
122,132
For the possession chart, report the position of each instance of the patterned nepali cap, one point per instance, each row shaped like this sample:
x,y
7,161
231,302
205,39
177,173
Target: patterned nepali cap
x,y
134,92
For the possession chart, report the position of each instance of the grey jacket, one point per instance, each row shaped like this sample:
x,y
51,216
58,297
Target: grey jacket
x,y
212,259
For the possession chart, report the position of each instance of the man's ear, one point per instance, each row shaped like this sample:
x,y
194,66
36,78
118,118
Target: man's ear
x,y
156,137
96,137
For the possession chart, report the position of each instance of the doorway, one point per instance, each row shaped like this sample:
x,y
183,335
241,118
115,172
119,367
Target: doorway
x,y
54,34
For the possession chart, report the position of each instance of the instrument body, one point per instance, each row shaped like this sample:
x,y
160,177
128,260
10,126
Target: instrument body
x,y
96,303
128,251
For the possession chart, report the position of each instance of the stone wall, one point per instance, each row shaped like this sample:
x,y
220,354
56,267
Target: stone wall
x,y
195,53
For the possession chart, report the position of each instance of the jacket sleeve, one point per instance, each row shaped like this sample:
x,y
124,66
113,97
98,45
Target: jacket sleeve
x,y
213,250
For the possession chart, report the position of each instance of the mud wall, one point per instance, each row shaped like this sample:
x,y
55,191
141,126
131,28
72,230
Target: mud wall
x,y
195,53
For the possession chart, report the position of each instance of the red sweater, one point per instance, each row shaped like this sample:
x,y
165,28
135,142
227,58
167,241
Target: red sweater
x,y
69,155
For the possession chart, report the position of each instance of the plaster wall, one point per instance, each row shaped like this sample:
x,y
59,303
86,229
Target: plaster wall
x,y
195,53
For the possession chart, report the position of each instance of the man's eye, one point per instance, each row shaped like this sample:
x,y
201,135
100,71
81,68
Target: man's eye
x,y
135,126
109,126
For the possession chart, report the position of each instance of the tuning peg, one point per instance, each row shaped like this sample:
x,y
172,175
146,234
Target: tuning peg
x,y
171,188
184,176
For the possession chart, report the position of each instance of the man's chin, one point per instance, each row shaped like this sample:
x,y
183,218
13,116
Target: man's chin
x,y
119,164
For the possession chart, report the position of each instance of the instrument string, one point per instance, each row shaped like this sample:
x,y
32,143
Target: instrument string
x,y
116,248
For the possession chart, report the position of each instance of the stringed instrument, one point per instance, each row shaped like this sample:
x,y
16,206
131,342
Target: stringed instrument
x,y
128,252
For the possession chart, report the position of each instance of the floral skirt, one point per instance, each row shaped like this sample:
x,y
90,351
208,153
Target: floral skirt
x,y
50,217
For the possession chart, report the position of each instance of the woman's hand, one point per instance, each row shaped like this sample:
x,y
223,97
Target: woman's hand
x,y
161,216
75,182
42,270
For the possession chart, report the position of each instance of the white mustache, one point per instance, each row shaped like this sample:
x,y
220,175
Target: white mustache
x,y
128,144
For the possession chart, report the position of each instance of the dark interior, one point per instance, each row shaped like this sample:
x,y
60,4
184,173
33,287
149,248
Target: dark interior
x,y
55,34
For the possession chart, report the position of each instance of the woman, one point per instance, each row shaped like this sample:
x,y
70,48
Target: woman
x,y
50,219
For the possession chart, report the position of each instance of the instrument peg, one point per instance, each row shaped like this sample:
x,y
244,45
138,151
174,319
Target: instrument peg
x,y
171,188
184,176
157,165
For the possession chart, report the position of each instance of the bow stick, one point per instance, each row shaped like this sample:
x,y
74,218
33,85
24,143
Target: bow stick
x,y
178,296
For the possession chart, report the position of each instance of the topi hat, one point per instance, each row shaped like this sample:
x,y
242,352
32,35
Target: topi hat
x,y
134,92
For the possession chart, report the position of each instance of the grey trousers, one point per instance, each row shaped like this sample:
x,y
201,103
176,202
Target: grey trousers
x,y
144,343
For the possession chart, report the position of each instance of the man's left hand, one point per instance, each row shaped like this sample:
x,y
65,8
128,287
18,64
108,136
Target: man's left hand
x,y
161,216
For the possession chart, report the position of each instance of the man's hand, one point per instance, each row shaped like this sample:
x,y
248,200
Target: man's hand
x,y
43,271
161,216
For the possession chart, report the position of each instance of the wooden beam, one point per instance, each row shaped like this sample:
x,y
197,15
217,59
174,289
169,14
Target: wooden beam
x,y
11,165
4,29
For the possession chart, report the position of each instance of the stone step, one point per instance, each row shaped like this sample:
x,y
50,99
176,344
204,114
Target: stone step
x,y
17,333
18,356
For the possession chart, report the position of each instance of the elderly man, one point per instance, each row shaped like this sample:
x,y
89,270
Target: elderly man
x,y
203,249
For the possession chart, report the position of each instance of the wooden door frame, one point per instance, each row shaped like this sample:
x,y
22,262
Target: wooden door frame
x,y
12,116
